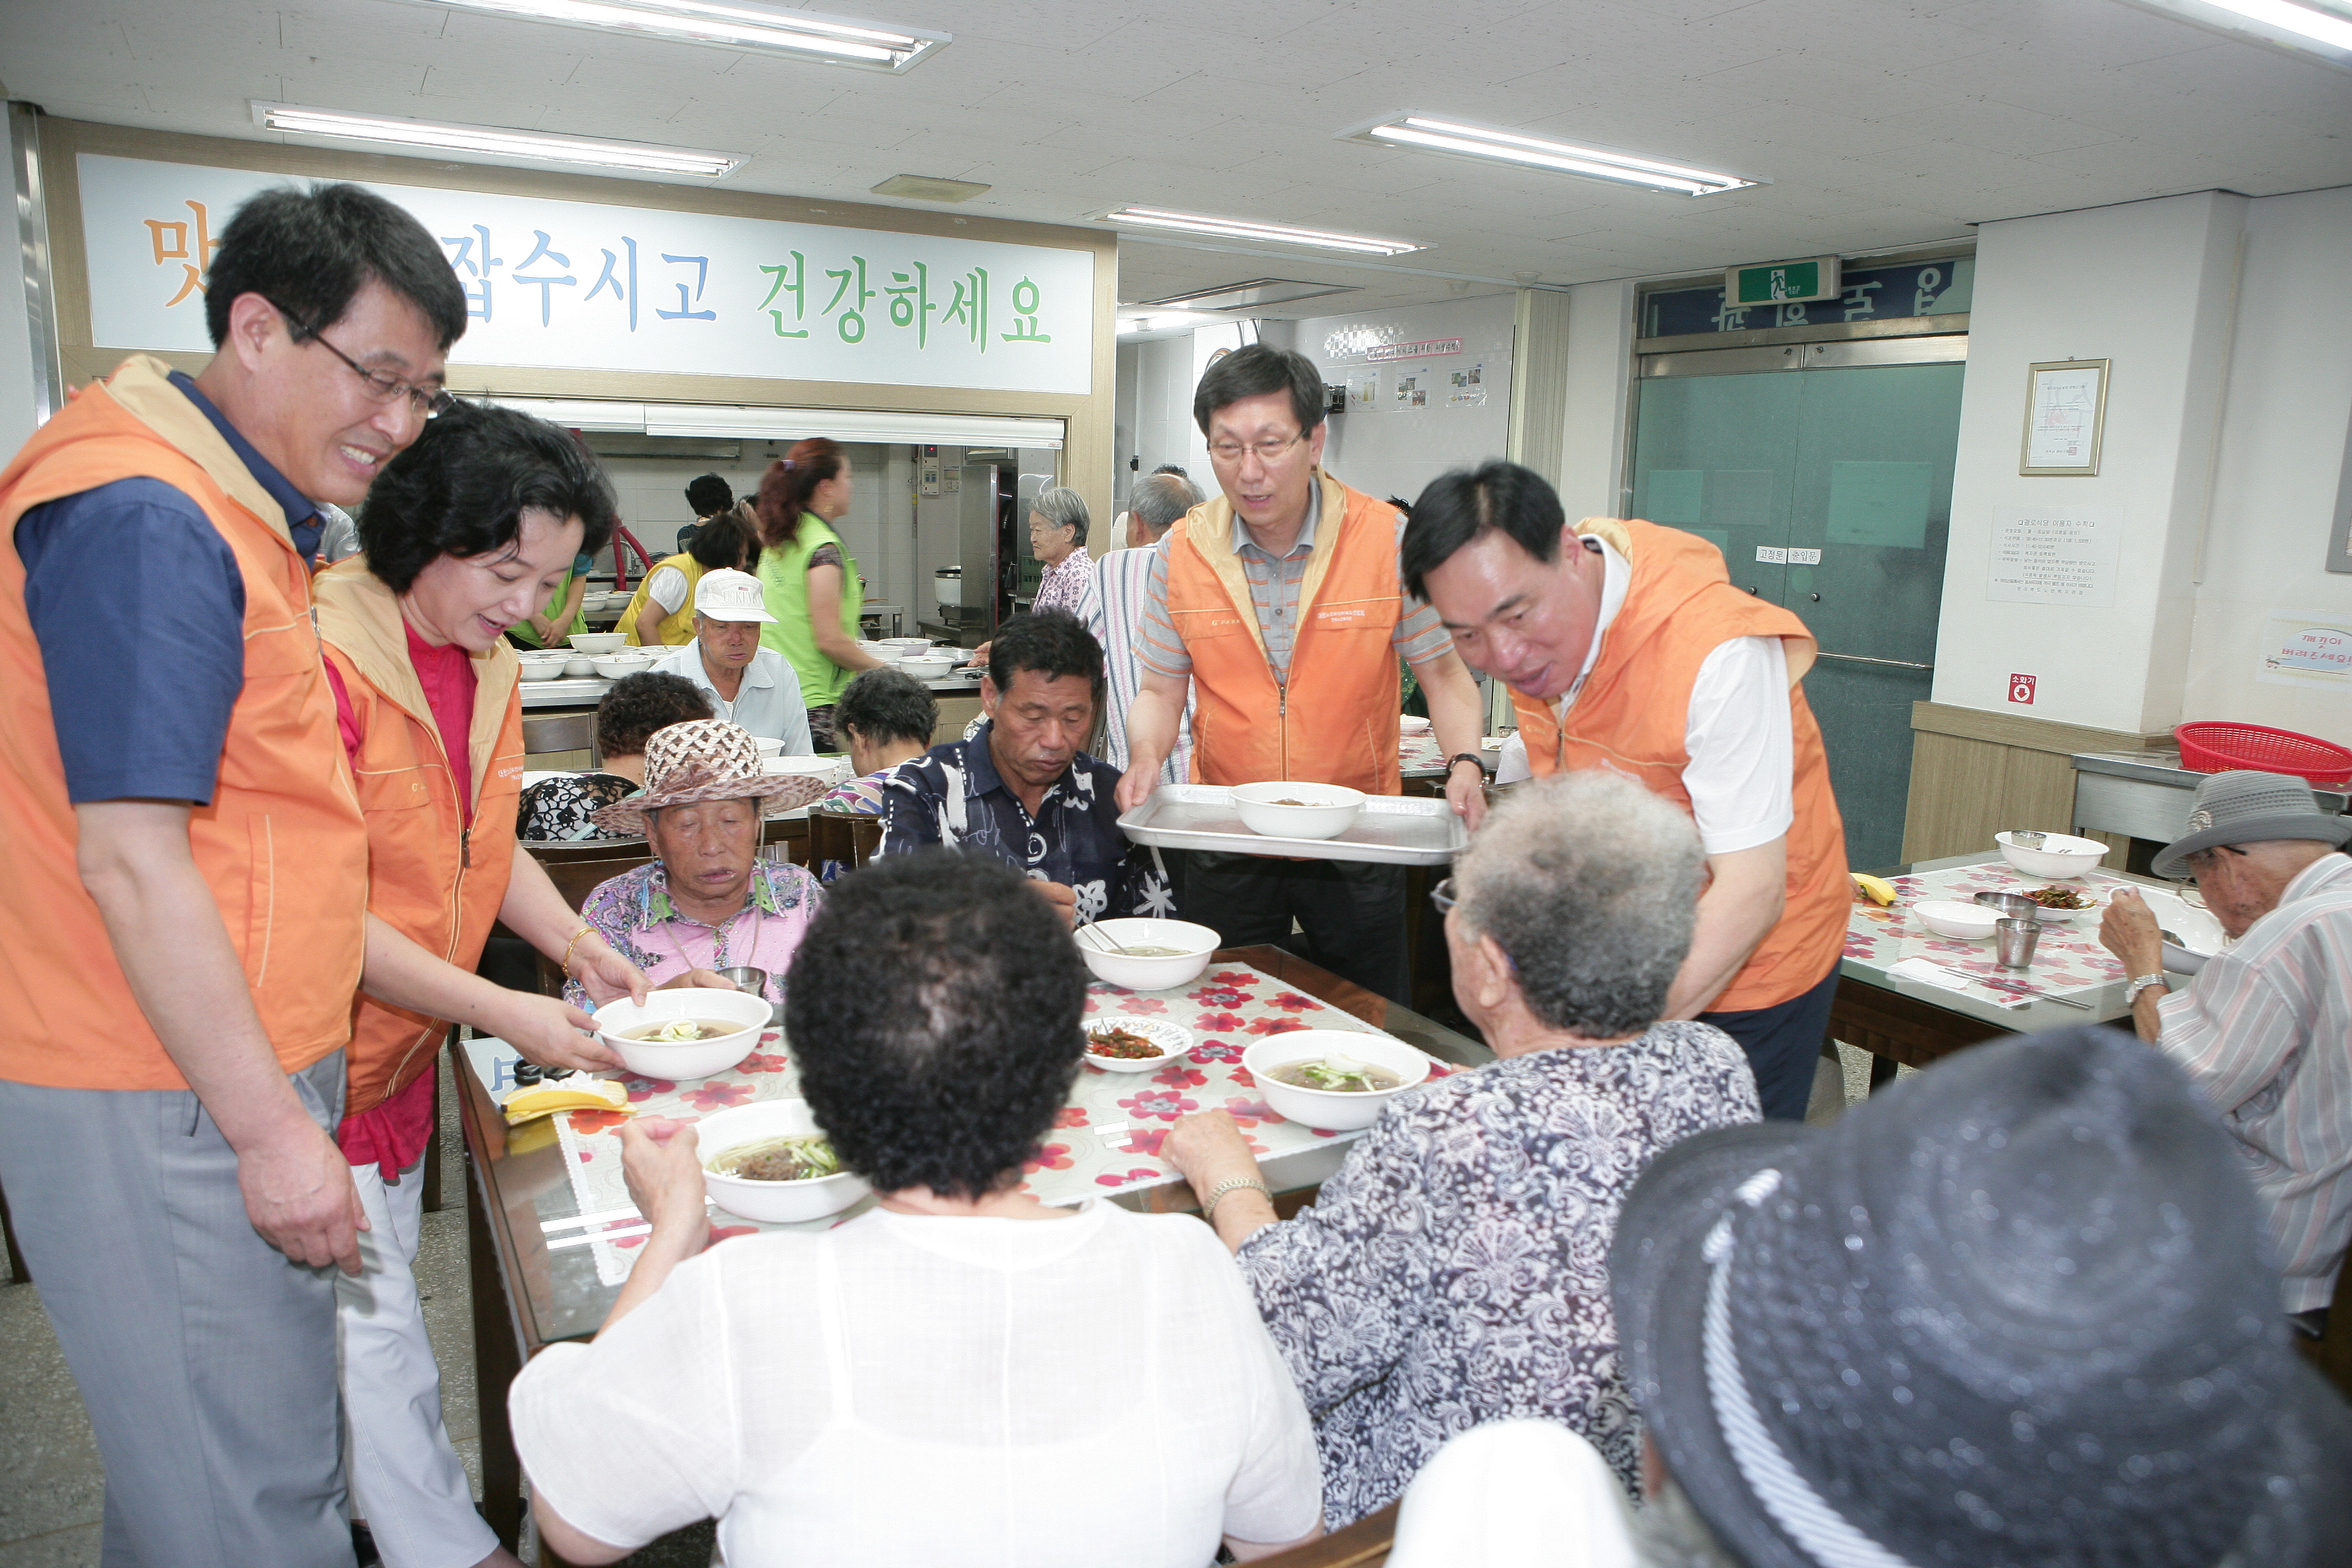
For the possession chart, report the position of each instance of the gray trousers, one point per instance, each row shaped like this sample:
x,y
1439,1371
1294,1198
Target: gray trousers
x,y
206,1358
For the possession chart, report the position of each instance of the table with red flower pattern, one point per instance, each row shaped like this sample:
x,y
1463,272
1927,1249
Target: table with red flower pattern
x,y
1105,1140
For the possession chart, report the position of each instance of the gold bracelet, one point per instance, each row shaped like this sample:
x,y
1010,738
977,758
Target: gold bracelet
x,y
1217,1194
583,931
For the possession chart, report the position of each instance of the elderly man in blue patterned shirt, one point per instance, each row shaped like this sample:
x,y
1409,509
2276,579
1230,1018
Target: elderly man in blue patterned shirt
x,y
1021,789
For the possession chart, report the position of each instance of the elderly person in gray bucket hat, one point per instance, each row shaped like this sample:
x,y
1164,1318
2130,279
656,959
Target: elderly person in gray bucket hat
x,y
2014,1311
2264,1030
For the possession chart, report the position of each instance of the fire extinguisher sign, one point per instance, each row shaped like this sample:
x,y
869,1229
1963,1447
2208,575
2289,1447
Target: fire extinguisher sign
x,y
2021,690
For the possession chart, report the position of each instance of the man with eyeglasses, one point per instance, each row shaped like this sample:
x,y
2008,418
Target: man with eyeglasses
x,y
187,922
2264,1029
1278,607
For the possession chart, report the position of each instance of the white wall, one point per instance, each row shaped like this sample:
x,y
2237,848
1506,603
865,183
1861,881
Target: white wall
x,y
17,404
2147,285
2289,403
1599,365
1393,449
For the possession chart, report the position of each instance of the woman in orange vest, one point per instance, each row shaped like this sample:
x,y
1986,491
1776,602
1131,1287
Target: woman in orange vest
x,y
723,543
1627,647
463,535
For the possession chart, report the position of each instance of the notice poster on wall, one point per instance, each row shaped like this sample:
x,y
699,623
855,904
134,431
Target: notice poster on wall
x,y
1363,388
2308,648
1411,391
2054,555
1466,388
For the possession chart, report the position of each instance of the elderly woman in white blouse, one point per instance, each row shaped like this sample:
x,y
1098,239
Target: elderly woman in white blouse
x,y
1454,1272
959,1374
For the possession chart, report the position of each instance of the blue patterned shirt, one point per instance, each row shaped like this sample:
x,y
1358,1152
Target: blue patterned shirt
x,y
952,795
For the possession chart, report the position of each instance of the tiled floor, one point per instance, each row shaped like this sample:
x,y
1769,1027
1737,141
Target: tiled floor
x,y
51,1487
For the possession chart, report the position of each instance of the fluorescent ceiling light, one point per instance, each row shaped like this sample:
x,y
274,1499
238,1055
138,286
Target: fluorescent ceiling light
x,y
2319,32
1257,291
1535,151
1244,228
744,25
540,146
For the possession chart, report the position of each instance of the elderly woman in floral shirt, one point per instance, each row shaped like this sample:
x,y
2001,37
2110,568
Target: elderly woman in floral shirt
x,y
1455,1271
707,903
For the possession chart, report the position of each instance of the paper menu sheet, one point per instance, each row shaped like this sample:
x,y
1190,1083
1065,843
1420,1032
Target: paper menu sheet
x,y
2062,425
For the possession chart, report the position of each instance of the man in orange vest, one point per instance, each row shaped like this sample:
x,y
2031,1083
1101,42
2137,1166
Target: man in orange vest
x,y
1627,647
1277,606
188,919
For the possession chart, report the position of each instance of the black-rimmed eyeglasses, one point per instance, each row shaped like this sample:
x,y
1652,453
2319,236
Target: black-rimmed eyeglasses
x,y
430,402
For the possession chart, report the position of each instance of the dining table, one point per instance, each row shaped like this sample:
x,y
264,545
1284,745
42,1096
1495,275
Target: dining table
x,y
550,1227
1884,1006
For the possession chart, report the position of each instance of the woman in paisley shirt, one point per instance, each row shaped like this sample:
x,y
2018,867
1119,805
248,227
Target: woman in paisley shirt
x,y
1454,1272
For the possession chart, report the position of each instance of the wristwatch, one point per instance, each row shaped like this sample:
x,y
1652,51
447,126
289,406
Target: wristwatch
x,y
1471,757
2140,982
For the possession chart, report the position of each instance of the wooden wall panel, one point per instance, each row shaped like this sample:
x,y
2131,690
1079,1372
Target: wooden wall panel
x,y
1975,774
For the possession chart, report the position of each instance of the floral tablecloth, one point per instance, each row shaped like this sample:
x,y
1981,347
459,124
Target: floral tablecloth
x,y
2068,958
1105,1140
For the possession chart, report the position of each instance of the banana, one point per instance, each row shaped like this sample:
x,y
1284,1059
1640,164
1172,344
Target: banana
x,y
592,1094
1877,889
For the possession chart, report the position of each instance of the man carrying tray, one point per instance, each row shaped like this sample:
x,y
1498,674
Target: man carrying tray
x,y
1278,605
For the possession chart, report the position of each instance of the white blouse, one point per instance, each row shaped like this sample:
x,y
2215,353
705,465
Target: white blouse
x,y
906,1390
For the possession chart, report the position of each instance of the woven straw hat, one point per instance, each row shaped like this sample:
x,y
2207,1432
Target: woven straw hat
x,y
706,758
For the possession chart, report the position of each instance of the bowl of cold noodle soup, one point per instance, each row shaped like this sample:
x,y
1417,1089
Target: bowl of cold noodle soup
x,y
1336,1079
1290,810
1160,954
770,1160
683,1034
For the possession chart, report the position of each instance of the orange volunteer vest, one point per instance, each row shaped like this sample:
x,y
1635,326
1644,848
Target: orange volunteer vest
x,y
1335,720
673,629
1631,717
433,876
281,846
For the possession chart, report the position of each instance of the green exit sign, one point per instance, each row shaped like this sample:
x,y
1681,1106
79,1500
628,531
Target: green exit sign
x,y
1782,282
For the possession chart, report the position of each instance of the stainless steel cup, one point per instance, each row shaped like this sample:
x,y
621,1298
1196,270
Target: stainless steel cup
x,y
2013,941
747,978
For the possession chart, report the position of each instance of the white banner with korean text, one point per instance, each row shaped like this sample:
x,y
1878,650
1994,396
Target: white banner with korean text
x,y
583,286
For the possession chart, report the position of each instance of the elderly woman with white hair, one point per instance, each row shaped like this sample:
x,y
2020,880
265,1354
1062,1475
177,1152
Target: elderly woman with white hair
x,y
1455,1271
1057,536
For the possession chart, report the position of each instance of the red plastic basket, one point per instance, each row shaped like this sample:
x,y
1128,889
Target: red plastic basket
x,y
2211,748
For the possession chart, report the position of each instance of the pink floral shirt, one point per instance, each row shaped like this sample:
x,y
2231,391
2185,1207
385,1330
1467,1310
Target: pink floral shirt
x,y
632,912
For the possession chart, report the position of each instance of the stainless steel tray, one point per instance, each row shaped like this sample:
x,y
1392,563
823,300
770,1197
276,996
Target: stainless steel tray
x,y
1392,830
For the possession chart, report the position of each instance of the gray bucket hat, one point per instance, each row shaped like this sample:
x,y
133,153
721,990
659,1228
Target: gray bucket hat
x,y
2016,1310
2248,809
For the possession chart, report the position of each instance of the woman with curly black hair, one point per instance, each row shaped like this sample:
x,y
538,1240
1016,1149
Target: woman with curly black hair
x,y
631,709
464,535
919,1384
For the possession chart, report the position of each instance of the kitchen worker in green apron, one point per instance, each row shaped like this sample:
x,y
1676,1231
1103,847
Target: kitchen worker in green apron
x,y
562,615
809,579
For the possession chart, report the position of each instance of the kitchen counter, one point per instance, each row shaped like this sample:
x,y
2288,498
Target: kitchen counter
x,y
2147,794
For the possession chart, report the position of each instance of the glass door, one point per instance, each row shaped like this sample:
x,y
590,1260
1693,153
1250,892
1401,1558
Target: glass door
x,y
1829,491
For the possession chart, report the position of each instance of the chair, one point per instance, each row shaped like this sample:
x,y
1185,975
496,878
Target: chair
x,y
843,836
549,733
1363,1544
575,879
553,851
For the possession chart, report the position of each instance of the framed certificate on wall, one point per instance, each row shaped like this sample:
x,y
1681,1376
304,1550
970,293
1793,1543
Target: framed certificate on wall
x,y
2065,414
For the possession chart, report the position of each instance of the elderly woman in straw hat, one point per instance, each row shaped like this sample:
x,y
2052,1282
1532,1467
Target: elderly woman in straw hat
x,y
707,902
